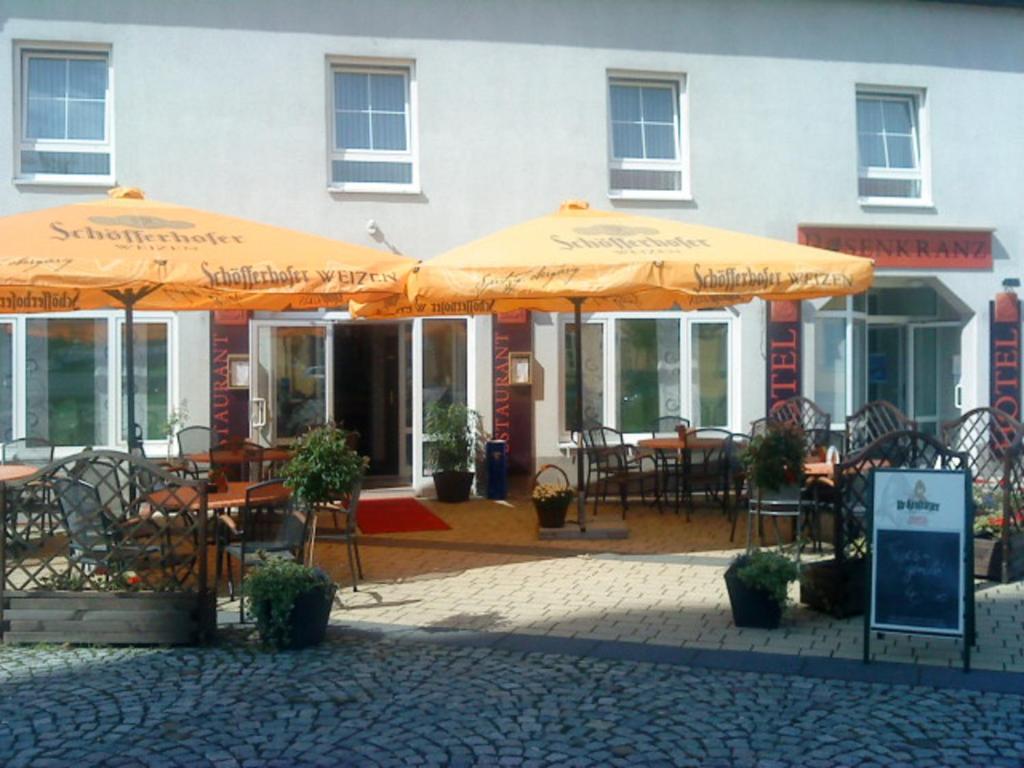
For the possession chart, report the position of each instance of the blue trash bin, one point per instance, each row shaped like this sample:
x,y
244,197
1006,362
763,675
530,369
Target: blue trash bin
x,y
497,469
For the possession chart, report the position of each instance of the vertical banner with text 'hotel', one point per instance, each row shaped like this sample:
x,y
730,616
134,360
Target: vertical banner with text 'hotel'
x,y
782,352
1004,358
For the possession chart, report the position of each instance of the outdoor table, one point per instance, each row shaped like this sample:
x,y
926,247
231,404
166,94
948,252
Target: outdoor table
x,y
240,456
16,471
666,445
216,501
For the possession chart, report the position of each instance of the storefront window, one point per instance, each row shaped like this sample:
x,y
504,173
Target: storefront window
x,y
66,381
593,375
7,382
830,365
444,362
709,361
151,368
647,371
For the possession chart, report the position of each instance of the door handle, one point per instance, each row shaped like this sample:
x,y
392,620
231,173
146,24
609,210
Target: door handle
x,y
958,397
259,412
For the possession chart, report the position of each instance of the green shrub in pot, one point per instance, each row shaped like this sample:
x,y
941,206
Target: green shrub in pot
x,y
454,439
324,465
290,601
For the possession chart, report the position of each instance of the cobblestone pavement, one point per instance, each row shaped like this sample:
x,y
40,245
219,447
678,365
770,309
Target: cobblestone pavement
x,y
372,702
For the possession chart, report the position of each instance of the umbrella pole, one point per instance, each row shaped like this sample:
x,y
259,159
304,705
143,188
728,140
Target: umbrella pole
x,y
129,353
581,502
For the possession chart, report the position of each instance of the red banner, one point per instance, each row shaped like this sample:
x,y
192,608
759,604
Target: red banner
x,y
783,372
229,408
1005,357
906,248
513,406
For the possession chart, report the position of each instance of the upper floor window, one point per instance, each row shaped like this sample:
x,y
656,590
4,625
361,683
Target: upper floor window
x,y
64,116
373,141
890,147
646,139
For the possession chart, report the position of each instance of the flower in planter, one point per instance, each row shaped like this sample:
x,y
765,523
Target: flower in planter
x,y
273,589
550,494
776,458
988,509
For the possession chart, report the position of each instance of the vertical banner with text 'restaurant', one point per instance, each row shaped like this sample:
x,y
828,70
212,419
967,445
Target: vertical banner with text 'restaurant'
x,y
783,353
1004,358
513,405
229,408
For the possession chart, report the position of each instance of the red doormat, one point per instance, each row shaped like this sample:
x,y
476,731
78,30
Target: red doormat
x,y
399,515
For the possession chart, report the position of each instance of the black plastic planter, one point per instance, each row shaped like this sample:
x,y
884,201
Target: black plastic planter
x,y
453,487
310,614
751,607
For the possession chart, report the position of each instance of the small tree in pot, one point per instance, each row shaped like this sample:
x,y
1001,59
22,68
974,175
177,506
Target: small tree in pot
x,y
758,585
454,438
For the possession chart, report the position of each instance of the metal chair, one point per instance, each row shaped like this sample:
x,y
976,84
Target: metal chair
x,y
192,440
706,470
665,426
350,532
271,526
616,463
34,451
806,414
787,501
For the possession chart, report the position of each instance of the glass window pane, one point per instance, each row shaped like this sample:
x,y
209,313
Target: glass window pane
x,y
901,152
872,150
648,372
370,172
830,365
625,103
45,119
351,91
709,361
152,374
897,116
869,116
593,375
859,363
7,381
445,370
388,132
291,368
658,105
352,130
387,93
82,163
85,120
660,142
66,381
627,140
87,79
47,77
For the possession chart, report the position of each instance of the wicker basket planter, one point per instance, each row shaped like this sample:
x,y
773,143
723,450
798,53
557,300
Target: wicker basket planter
x,y
551,500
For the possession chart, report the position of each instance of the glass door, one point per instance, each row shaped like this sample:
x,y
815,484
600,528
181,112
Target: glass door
x,y
935,393
289,382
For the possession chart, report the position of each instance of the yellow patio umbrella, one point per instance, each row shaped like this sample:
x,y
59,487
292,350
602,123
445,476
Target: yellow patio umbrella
x,y
615,261
134,253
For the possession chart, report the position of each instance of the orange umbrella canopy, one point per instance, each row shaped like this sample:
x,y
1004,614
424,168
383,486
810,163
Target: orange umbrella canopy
x,y
619,262
127,249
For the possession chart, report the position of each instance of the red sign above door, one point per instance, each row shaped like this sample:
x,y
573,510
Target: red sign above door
x,y
906,248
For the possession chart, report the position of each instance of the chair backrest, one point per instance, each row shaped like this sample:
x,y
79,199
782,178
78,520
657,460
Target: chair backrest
x,y
985,435
270,515
195,440
712,461
110,481
903,449
873,421
35,451
759,427
806,414
82,516
665,426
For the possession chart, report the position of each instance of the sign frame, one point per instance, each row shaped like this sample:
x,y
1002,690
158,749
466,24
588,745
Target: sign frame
x,y
959,522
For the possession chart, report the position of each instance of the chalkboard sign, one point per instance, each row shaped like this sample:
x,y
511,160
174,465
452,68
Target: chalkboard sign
x,y
921,545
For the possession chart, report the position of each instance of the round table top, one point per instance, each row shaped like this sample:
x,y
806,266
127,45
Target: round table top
x,y
238,456
16,471
232,498
675,444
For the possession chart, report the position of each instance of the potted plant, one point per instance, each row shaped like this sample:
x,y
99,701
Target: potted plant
x,y
290,601
454,441
991,542
758,586
324,466
551,500
774,460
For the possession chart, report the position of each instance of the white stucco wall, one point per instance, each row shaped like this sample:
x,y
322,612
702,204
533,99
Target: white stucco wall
x,y
224,106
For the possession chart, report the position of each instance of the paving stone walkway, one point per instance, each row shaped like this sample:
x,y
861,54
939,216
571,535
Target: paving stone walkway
x,y
382,702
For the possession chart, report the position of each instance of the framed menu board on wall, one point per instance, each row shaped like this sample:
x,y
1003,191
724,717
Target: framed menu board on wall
x,y
921,555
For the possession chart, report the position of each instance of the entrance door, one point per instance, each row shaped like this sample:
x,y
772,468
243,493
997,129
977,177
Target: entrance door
x,y
289,380
935,394
372,394
887,364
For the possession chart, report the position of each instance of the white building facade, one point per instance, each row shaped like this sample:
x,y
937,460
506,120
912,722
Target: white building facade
x,y
888,129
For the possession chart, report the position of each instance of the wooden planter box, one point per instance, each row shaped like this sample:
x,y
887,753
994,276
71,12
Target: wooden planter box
x,y
108,618
834,588
988,558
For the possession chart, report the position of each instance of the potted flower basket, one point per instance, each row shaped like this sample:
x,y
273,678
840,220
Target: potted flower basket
x,y
758,584
551,500
291,603
454,439
991,542
774,461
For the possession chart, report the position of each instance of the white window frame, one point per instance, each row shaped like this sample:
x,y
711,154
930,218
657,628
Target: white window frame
x,y
850,314
91,51
608,321
115,321
919,114
682,136
404,67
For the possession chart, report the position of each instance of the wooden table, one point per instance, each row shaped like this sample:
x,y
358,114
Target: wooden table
x,y
240,456
16,471
216,501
